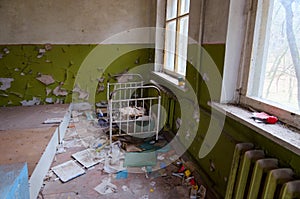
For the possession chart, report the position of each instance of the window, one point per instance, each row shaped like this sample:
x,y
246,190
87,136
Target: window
x,y
271,76
176,37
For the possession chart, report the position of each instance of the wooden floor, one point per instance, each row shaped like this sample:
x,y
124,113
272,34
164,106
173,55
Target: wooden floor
x,y
25,138
26,145
29,117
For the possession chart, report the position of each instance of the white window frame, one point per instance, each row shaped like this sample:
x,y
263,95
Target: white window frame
x,y
238,58
177,54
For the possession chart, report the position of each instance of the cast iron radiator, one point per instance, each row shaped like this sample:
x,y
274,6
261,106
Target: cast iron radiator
x,y
253,176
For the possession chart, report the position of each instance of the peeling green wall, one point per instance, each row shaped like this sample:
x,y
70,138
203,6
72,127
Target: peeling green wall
x,y
63,62
215,167
24,63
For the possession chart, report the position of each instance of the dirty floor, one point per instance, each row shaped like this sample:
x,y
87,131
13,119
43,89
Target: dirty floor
x,y
168,178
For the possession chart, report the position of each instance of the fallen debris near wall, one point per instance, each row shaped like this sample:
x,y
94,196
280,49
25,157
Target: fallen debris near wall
x,y
87,166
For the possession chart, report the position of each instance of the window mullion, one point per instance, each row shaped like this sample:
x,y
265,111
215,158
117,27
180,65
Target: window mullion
x,y
176,39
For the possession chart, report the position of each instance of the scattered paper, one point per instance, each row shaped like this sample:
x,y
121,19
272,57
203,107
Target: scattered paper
x,y
106,187
88,157
53,120
68,171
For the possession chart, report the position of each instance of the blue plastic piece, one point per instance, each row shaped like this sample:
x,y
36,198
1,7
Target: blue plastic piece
x,y
122,175
14,181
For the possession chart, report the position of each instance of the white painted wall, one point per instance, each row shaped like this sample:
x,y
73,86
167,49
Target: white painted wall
x,y
71,21
215,21
234,46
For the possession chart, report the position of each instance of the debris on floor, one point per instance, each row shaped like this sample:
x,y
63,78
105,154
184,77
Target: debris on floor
x,y
68,171
106,187
88,157
87,166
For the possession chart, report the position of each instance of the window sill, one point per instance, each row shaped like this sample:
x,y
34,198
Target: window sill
x,y
278,133
170,80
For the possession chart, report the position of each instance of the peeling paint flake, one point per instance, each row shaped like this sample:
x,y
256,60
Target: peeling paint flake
x,y
58,91
82,94
34,101
5,83
49,100
6,50
48,47
48,91
46,79
41,53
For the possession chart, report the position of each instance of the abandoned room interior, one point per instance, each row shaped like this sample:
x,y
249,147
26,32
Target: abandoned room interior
x,y
150,99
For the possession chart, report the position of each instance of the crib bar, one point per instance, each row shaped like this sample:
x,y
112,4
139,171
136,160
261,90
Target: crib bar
x,y
158,117
110,122
127,123
150,113
130,110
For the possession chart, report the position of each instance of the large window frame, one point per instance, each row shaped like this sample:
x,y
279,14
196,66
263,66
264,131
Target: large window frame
x,y
176,37
288,116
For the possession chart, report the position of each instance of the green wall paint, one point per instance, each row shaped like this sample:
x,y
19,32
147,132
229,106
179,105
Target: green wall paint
x,y
62,62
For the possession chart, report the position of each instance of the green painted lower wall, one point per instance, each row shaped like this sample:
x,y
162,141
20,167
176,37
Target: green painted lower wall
x,y
64,63
215,167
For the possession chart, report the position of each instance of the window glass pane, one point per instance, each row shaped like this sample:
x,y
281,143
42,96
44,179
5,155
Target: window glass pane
x,y
170,45
184,6
276,69
171,9
169,63
182,42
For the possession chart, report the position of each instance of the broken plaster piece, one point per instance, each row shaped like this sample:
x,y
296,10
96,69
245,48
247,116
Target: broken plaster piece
x,y
46,79
34,101
82,94
6,83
